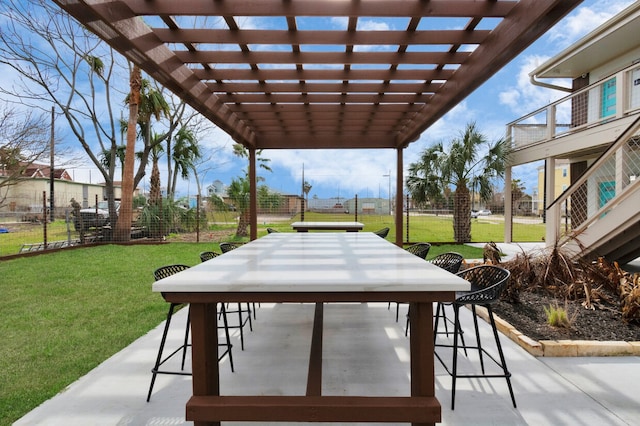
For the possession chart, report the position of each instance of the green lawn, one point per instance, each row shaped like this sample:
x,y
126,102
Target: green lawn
x,y
27,233
433,229
66,312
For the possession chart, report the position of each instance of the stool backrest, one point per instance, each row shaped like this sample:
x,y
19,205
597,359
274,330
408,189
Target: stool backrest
x,y
449,261
167,271
419,249
227,247
487,282
208,255
382,233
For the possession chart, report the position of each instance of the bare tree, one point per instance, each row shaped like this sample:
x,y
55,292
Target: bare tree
x,y
205,164
60,63
24,140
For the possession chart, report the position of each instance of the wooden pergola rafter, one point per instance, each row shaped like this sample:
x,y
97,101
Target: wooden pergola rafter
x,y
305,74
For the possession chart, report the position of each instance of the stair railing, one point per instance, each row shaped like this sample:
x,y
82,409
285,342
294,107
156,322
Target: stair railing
x,y
605,184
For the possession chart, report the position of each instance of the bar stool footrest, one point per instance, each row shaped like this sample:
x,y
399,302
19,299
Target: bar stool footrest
x,y
484,351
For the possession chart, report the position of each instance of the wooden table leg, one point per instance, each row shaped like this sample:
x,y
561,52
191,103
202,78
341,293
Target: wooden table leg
x,y
204,350
314,376
421,341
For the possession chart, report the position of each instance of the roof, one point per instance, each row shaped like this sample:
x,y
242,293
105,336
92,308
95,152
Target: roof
x,y
610,40
36,170
266,74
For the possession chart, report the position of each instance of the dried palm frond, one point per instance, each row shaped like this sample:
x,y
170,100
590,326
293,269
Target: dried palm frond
x,y
491,253
567,276
522,274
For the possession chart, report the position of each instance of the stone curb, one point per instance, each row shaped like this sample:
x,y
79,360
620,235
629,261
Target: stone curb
x,y
561,348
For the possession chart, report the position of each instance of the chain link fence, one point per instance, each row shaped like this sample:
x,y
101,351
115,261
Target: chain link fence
x,y
29,228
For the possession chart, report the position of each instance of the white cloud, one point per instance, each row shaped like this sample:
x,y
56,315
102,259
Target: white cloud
x,y
371,25
510,97
525,97
340,22
349,171
584,20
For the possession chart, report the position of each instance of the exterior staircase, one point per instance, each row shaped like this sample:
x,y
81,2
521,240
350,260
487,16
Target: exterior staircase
x,y
603,204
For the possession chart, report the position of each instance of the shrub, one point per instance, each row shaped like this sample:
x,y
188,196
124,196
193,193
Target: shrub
x,y
557,317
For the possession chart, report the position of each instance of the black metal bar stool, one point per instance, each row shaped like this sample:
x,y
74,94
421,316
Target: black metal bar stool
x,y
163,272
450,262
487,282
421,250
243,320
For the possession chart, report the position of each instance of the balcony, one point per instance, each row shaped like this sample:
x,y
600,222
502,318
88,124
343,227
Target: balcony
x,y
583,123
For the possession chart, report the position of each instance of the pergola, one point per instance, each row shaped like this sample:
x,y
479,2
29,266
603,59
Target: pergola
x,y
265,73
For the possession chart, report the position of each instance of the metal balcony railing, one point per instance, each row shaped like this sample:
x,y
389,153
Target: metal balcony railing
x,y
615,96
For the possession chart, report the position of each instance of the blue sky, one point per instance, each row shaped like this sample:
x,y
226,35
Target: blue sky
x,y
368,173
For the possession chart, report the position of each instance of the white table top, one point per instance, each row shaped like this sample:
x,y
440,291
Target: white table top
x,y
314,262
327,225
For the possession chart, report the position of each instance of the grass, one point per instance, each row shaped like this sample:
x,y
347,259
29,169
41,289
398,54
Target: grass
x,y
11,242
433,229
66,312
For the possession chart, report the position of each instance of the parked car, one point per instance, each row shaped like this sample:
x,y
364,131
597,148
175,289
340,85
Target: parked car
x,y
483,212
93,217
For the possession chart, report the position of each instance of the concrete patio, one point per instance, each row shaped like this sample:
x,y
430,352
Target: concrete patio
x,y
366,353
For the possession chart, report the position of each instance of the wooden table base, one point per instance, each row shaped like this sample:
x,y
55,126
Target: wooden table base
x,y
208,407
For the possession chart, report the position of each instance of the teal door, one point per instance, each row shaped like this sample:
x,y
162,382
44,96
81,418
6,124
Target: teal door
x,y
606,191
609,98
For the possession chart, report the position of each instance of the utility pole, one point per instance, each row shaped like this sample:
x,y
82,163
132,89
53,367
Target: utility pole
x,y
388,175
51,169
302,210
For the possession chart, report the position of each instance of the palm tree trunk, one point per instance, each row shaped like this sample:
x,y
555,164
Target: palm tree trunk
x,y
171,186
123,224
243,224
154,184
462,215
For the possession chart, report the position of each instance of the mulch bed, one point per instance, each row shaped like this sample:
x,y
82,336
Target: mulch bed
x,y
602,324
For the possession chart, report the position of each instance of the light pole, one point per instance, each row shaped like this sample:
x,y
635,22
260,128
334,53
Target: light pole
x,y
388,175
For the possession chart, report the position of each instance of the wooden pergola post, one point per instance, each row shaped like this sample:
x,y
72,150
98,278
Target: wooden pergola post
x,y
253,195
397,214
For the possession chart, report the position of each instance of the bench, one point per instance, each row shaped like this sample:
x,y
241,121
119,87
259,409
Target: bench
x,y
27,248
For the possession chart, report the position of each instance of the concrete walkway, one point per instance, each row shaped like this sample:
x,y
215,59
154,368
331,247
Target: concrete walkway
x,y
366,353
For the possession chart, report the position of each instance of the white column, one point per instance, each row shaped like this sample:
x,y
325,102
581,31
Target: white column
x,y
552,214
508,212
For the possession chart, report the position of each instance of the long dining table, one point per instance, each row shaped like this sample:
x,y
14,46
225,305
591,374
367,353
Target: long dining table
x,y
327,226
312,268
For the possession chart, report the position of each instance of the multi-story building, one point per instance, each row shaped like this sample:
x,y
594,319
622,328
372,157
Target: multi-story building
x,y
595,130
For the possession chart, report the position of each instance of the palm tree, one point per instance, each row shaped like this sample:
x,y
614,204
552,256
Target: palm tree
x,y
144,102
152,104
108,155
186,153
238,192
306,188
459,164
123,223
155,191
